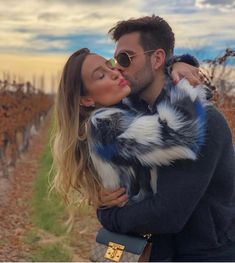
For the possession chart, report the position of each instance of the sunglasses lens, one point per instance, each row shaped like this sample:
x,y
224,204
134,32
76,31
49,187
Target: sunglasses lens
x,y
123,60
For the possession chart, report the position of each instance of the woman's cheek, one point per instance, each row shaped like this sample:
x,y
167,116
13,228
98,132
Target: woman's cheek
x,y
109,98
108,88
108,95
103,89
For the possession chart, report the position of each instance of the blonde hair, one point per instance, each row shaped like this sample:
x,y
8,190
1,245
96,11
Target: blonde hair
x,y
73,168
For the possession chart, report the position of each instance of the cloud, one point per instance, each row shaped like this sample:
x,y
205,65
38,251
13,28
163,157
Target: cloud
x,y
29,43
49,16
222,5
169,7
218,2
47,43
44,33
26,21
63,26
107,3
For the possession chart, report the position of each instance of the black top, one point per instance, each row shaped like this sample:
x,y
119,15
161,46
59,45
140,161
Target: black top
x,y
192,215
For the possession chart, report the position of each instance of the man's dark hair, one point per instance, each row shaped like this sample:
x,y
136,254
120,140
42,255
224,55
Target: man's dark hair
x,y
154,31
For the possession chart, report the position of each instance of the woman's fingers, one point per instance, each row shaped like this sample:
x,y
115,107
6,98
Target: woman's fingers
x,y
120,201
182,70
112,194
111,198
175,76
193,79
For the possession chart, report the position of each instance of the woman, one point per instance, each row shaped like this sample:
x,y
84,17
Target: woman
x,y
101,142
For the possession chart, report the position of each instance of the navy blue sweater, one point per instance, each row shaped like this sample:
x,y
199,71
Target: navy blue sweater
x,y
192,216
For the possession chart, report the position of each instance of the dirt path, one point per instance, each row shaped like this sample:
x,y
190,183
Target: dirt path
x,y
15,202
15,210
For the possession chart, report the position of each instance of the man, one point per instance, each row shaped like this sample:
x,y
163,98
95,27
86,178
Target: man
x,y
192,215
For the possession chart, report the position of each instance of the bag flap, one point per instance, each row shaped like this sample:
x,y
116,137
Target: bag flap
x,y
132,244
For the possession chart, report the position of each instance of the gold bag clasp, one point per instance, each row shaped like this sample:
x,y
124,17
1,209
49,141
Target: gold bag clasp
x,y
114,251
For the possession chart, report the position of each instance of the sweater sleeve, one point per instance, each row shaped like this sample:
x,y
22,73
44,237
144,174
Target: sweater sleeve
x,y
182,187
175,132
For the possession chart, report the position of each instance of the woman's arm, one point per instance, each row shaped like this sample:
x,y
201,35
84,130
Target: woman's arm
x,y
184,66
175,132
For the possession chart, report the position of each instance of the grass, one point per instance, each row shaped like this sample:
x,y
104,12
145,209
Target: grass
x,y
48,213
32,237
48,237
51,253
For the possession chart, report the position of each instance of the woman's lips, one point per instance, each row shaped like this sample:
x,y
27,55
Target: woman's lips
x,y
123,82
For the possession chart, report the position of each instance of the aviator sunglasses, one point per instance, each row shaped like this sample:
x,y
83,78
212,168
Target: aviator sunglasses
x,y
124,59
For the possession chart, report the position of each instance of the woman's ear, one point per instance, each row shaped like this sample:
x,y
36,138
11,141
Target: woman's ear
x,y
87,101
158,58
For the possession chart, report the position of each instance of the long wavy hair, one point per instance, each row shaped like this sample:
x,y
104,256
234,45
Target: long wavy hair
x,y
72,167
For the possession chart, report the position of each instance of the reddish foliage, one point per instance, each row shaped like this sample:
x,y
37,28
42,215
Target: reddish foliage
x,y
226,105
21,107
17,109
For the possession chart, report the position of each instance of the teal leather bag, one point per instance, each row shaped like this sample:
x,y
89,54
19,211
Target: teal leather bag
x,y
117,247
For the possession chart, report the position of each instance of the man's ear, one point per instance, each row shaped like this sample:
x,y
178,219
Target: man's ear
x,y
158,58
86,101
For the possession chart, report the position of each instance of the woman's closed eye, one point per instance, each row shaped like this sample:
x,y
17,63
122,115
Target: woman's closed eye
x,y
102,71
99,74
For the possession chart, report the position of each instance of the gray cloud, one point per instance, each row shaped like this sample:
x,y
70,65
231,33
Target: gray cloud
x,y
95,2
49,16
86,2
223,5
219,2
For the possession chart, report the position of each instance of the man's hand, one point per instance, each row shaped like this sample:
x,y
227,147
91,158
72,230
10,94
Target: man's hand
x,y
113,198
183,70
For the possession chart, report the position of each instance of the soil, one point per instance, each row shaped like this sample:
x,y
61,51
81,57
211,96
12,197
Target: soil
x,y
16,192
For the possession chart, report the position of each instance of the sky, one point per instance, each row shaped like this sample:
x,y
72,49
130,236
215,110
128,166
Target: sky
x,y
37,36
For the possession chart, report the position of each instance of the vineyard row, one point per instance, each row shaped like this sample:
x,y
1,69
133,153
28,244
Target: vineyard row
x,y
22,110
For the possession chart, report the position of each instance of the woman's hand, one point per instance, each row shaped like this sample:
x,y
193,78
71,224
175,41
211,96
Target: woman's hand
x,y
113,198
183,70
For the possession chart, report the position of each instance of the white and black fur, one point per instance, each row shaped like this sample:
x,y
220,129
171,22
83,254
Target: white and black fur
x,y
126,146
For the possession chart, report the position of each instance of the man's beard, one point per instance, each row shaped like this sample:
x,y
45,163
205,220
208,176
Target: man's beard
x,y
144,79
145,84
